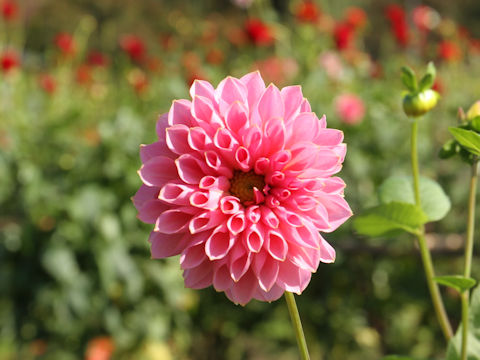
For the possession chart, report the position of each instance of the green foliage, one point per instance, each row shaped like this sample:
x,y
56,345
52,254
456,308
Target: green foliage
x,y
457,282
409,79
386,218
468,139
454,346
435,203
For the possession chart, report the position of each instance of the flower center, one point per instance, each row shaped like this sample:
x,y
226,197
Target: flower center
x,y
242,184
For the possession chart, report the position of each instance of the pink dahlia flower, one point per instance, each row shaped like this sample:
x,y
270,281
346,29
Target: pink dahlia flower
x,y
240,185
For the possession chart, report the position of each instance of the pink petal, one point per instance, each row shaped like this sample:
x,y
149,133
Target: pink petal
x,y
271,104
229,91
222,279
206,220
206,199
293,279
193,256
177,139
150,151
202,88
305,106
218,164
274,135
157,171
276,245
327,252
236,223
199,277
242,291
274,294
255,86
268,217
262,165
190,169
151,210
243,161
253,237
198,139
239,262
236,118
307,259
268,274
253,140
161,125
179,114
292,98
219,243
173,221
211,182
166,245
334,185
176,193
337,208
144,194
253,214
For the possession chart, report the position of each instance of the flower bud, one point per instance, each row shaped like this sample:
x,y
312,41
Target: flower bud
x,y
420,103
474,111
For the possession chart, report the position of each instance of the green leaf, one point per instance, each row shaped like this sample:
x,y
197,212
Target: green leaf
x,y
431,70
469,139
475,123
454,346
457,282
435,203
448,149
398,357
385,218
409,79
426,82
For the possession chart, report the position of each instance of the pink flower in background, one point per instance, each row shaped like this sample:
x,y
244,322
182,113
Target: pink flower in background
x,y
350,108
244,4
331,62
240,183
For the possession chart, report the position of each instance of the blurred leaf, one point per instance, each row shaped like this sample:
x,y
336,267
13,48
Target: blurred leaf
x,y
475,123
448,149
385,218
409,79
61,264
431,70
457,282
426,82
454,346
435,203
469,139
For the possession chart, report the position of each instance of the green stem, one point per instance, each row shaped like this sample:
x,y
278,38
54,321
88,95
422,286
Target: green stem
x,y
468,256
297,325
414,157
424,251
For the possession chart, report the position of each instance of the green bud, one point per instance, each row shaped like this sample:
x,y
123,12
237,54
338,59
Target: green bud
x,y
448,149
420,103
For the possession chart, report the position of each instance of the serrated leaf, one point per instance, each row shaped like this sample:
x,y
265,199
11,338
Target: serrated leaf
x,y
457,282
386,218
435,203
468,139
409,79
426,82
454,345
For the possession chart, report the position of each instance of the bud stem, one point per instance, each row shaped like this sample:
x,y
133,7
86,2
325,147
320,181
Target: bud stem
x,y
297,325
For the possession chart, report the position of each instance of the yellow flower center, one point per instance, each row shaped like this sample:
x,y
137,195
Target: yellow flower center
x,y
242,184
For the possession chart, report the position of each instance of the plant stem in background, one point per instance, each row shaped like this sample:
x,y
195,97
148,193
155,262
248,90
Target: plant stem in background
x,y
297,325
424,251
468,255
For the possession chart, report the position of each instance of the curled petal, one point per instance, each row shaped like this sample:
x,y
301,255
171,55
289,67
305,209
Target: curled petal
x,y
202,88
176,193
206,199
262,165
236,223
337,208
268,217
145,193
236,118
173,221
242,291
271,104
205,221
217,163
327,252
198,139
151,210
267,276
199,277
150,151
193,256
240,260
253,214
222,279
157,171
211,182
292,278
190,169
274,294
219,243
254,237
177,139
276,245
242,159
229,205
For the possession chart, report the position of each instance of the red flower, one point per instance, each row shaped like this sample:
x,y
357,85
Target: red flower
x,y
48,83
9,10
449,51
398,22
96,58
66,43
355,17
134,47
438,86
307,11
343,35
100,348
9,60
258,32
83,75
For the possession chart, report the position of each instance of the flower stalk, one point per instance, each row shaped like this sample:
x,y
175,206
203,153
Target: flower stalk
x,y
468,255
424,251
297,325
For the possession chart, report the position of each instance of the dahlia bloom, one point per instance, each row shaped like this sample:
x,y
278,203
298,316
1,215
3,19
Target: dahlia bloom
x,y
240,183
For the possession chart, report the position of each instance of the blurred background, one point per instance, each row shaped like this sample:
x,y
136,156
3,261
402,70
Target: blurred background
x,y
82,83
